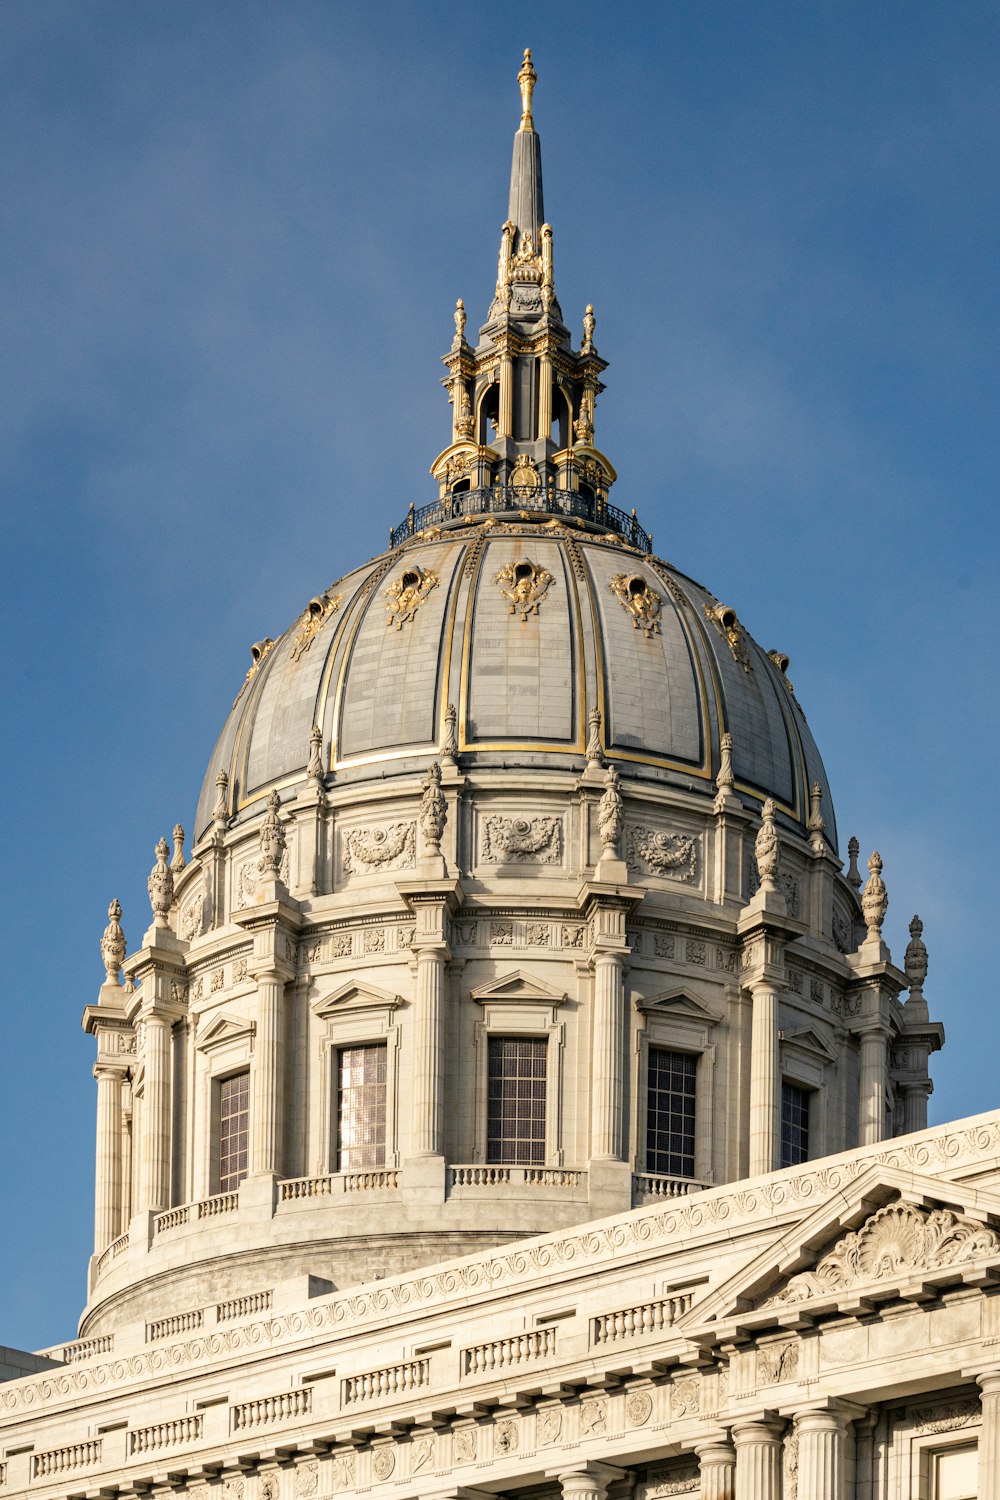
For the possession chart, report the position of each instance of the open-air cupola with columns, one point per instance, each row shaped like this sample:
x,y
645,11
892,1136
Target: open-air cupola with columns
x,y
514,898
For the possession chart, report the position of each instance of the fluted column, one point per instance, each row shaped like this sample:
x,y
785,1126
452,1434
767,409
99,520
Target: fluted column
x,y
587,1481
765,1083
428,1050
871,1087
821,1436
505,426
108,1173
915,1107
544,396
154,1173
989,1437
758,1461
607,1047
266,1079
717,1468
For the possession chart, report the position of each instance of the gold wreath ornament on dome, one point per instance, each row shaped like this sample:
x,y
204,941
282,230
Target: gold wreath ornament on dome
x,y
406,593
524,585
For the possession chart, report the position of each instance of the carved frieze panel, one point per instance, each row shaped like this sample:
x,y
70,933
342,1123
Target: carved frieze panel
x,y
680,1478
946,1416
422,1453
653,851
777,1362
548,1426
191,921
511,840
388,846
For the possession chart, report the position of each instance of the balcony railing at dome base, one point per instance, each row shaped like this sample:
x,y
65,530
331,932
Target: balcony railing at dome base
x,y
510,499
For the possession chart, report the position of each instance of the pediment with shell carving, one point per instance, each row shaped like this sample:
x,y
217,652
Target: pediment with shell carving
x,y
886,1236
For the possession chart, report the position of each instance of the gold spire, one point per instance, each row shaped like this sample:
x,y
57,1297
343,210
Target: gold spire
x,y
527,78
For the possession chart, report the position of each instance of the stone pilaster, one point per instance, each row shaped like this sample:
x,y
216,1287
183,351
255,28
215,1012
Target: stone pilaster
x,y
822,1439
274,923
764,930
758,1460
872,1079
989,1437
875,990
433,902
108,1167
154,1159
717,1466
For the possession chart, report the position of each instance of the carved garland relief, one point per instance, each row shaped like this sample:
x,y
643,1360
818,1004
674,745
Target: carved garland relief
x,y
674,855
391,847
507,840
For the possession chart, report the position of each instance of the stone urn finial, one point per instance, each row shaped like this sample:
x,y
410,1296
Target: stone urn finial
x,y
314,768
853,873
113,943
611,812
915,958
449,744
433,809
875,898
160,885
595,756
767,849
178,862
220,812
814,822
272,839
725,780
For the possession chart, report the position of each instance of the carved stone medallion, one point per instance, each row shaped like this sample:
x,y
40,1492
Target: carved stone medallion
x,y
389,847
674,855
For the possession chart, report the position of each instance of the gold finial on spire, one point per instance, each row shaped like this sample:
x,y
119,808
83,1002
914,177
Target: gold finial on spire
x,y
527,78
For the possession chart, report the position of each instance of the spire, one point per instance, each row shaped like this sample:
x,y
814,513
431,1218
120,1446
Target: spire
x,y
525,210
523,399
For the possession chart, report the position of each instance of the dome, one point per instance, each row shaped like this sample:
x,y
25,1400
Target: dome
x,y
526,619
514,898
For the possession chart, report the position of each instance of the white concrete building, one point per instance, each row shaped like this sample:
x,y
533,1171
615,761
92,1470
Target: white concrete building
x,y
511,1094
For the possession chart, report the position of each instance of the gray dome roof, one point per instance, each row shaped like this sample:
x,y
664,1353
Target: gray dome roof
x,y
377,658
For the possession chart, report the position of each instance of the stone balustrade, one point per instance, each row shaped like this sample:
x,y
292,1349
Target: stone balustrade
x,y
633,1322
243,1307
653,1185
160,1435
56,1461
503,1354
168,1328
266,1410
392,1380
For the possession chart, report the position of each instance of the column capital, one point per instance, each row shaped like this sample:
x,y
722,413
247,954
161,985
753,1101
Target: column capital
x,y
763,1429
988,1381
586,1481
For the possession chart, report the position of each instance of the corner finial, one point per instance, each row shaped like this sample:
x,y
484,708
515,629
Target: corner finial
x,y
433,809
113,943
815,822
527,78
874,898
915,961
160,885
767,848
449,743
460,318
272,840
178,863
853,873
725,781
314,768
589,324
220,812
611,812
595,755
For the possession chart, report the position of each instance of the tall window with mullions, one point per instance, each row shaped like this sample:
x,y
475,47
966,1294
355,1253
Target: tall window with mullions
x,y
794,1125
515,1100
670,1101
361,1099
234,1130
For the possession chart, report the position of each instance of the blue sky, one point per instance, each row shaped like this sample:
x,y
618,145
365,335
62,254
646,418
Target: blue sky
x,y
232,239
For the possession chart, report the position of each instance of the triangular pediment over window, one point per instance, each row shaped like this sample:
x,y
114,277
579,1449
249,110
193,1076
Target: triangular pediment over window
x,y
519,986
224,1030
678,1003
808,1040
887,1235
355,996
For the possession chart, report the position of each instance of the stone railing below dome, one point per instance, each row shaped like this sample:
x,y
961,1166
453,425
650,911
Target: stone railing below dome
x,y
482,1175
334,1183
508,499
648,1186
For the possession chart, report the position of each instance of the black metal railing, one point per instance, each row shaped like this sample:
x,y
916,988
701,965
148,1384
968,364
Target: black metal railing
x,y
503,499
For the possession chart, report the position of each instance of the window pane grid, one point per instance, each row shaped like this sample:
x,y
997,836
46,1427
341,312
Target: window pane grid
x,y
361,1096
234,1131
670,1102
794,1125
515,1100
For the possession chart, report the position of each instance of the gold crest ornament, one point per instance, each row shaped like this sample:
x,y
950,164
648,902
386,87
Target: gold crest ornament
x,y
313,616
640,601
524,585
406,594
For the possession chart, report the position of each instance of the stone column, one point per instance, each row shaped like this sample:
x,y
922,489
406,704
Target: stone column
x,y
154,1172
989,1437
821,1436
266,1076
765,1083
915,1107
108,1174
871,1087
717,1464
505,415
758,1461
588,1481
607,1046
544,396
428,1054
